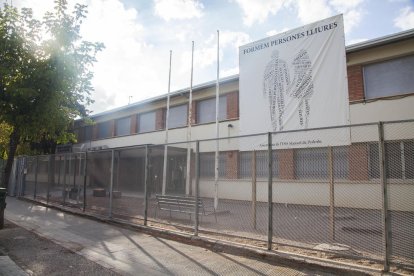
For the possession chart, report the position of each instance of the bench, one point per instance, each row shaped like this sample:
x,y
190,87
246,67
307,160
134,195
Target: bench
x,y
182,204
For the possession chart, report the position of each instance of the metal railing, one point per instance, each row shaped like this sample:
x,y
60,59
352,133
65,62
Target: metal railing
x,y
358,196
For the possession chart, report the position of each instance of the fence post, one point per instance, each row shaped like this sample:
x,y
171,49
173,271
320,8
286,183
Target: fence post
x,y
36,172
64,178
49,176
383,177
111,185
197,186
331,195
84,180
254,189
146,187
270,192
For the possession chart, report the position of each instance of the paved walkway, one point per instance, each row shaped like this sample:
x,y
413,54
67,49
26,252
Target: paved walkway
x,y
132,253
9,268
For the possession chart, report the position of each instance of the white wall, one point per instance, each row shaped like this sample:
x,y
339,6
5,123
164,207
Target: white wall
x,y
347,194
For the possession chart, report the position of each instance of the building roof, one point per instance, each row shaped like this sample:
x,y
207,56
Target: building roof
x,y
376,42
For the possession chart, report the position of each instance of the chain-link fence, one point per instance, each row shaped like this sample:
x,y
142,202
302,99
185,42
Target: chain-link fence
x,y
2,165
351,187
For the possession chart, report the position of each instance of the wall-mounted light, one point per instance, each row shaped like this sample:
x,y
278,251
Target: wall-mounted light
x,y
229,125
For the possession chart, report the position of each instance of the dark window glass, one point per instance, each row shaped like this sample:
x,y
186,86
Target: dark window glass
x,y
104,130
207,163
206,110
388,78
313,162
178,116
146,122
123,126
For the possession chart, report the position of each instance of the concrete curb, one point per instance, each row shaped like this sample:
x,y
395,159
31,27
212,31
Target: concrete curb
x,y
276,257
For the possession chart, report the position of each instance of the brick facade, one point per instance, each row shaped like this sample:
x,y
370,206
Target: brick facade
x,y
95,132
134,124
233,105
193,113
112,129
286,163
358,162
232,164
160,118
355,83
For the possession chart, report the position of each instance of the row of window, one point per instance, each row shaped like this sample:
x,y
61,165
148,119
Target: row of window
x,y
382,79
147,122
389,78
313,163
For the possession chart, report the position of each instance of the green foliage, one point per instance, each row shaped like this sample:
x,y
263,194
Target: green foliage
x,y
45,83
5,131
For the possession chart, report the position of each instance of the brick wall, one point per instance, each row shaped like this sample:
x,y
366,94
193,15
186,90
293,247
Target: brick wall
x,y
160,119
355,83
95,132
233,105
358,162
232,164
286,163
194,113
112,129
134,125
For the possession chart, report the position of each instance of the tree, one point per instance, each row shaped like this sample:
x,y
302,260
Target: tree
x,y
44,83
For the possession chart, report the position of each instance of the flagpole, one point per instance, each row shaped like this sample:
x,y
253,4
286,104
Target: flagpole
x,y
164,171
190,111
216,161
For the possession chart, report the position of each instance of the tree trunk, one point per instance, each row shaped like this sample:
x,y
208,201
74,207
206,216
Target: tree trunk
x,y
13,142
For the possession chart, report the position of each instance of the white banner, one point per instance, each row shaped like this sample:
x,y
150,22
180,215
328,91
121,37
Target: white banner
x,y
296,80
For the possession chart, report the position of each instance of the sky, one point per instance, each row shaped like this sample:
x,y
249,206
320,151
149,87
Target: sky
x,y
139,34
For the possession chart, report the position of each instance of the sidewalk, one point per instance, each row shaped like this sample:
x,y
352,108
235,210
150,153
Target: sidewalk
x,y
127,252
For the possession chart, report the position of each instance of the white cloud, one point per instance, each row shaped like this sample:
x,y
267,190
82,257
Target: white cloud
x,y
236,39
405,20
356,41
178,9
275,32
229,72
310,11
258,10
345,4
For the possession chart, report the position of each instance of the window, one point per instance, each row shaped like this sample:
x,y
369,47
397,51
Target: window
x,y
207,162
87,133
399,157
104,130
262,165
177,116
389,78
206,110
146,122
84,134
313,162
123,126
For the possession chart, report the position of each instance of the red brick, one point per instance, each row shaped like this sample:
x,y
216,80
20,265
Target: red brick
x,y
134,124
232,164
355,83
358,162
233,105
286,163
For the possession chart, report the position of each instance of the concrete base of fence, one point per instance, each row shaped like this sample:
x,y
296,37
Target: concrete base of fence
x,y
277,257
116,194
99,192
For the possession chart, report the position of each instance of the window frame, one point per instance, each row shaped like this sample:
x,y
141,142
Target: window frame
x,y
139,131
364,76
221,119
185,105
116,126
109,131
